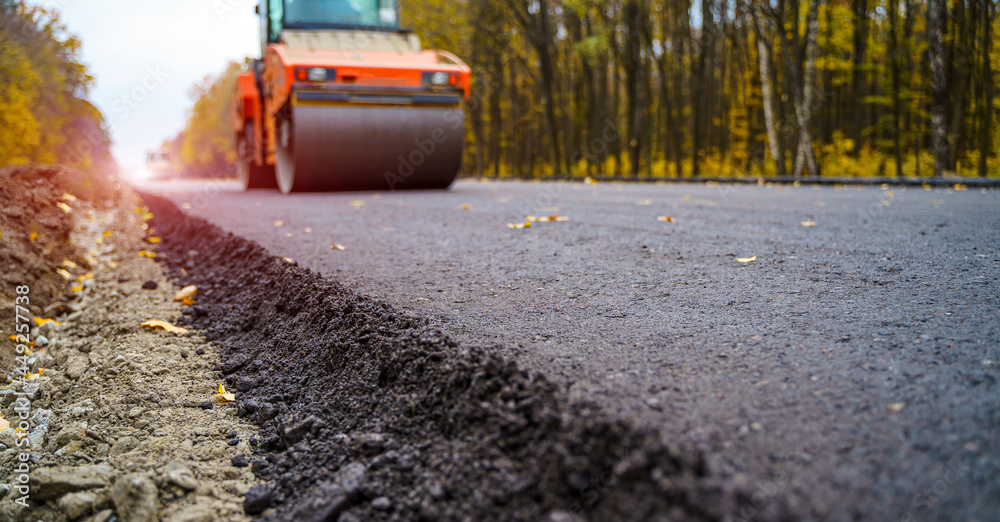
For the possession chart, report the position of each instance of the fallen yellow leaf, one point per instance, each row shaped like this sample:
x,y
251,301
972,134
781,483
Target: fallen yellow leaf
x,y
156,324
4,423
64,207
77,288
68,264
65,275
465,207
589,181
666,219
746,259
224,396
188,302
308,231
33,236
153,239
644,202
526,224
288,260
337,247
895,406
686,198
357,203
279,223
99,241
34,376
808,223
40,321
68,197
147,216
960,187
186,292
145,253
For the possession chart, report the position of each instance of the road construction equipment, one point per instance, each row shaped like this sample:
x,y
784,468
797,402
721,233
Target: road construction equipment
x,y
345,99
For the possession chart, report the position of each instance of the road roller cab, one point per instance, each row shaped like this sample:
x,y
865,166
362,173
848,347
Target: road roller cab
x,y
344,99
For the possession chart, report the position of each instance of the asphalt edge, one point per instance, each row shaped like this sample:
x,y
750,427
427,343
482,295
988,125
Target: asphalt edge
x,y
589,466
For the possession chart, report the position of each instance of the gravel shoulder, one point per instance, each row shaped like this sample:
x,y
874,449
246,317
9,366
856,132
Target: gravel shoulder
x,y
123,422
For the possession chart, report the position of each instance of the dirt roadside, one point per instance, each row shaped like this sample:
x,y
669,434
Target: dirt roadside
x,y
123,423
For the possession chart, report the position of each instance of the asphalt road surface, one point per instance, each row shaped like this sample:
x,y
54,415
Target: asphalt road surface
x,y
851,369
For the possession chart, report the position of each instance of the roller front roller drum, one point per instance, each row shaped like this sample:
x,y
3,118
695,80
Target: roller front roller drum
x,y
344,148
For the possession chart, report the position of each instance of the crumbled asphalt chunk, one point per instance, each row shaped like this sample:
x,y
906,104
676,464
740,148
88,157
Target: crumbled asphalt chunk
x,y
241,461
259,498
150,285
200,351
206,405
473,434
184,354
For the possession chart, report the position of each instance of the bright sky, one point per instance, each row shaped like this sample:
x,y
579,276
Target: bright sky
x,y
146,56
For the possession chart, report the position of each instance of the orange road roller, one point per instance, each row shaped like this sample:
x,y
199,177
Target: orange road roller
x,y
343,99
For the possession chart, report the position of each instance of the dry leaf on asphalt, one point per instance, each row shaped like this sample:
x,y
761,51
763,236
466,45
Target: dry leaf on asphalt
x,y
223,396
33,236
156,324
186,293
746,259
68,264
895,406
357,203
153,239
64,207
543,219
145,253
65,275
279,223
666,219
147,216
40,321
68,197
465,207
337,247
808,223
526,224
4,423
288,260
34,376
590,181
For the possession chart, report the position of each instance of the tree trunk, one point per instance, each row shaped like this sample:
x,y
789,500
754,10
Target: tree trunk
x,y
936,18
894,72
764,56
986,127
860,43
806,155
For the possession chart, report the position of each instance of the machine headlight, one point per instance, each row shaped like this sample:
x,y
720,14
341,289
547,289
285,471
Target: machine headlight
x,y
317,74
440,79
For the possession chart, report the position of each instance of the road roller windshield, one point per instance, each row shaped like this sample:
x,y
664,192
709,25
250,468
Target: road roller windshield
x,y
321,14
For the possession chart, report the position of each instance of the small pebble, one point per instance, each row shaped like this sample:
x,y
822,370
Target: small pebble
x,y
150,285
231,434
184,354
206,405
382,504
200,351
123,279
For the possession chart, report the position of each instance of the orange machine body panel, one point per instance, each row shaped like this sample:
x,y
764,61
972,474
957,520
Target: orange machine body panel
x,y
247,110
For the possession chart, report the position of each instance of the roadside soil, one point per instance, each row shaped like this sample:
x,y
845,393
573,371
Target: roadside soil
x,y
123,420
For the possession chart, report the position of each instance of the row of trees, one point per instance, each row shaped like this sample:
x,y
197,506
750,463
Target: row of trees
x,y
713,87
205,147
44,114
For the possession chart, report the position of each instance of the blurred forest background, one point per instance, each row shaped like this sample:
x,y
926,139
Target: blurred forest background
x,y
44,113
720,88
